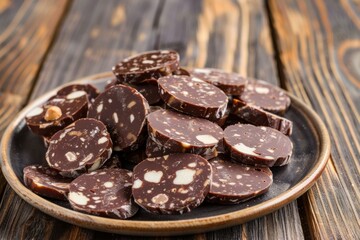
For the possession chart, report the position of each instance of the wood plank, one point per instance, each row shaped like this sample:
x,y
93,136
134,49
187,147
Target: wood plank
x,y
26,31
93,43
233,35
319,47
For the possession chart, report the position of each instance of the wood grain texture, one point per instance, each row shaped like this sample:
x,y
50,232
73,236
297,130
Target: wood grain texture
x,y
93,43
319,55
233,35
26,31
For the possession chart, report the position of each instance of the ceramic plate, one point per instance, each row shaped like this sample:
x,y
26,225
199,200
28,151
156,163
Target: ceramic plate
x,y
311,150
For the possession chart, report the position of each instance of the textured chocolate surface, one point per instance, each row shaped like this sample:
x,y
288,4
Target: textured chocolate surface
x,y
259,146
46,182
123,110
193,96
147,65
172,184
265,96
230,83
105,192
232,183
259,117
82,146
175,129
57,113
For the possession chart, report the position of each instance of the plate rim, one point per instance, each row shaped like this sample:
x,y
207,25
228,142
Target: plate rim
x,y
168,227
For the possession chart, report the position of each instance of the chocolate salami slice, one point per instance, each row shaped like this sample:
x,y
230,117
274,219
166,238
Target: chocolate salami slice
x,y
172,184
259,117
105,192
230,83
91,91
233,183
82,146
193,96
147,65
46,182
154,149
57,113
123,110
166,127
265,96
258,146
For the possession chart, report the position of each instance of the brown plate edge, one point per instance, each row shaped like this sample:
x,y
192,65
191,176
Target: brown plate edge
x,y
165,228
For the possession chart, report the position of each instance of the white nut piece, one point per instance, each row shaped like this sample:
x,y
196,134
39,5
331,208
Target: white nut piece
x,y
131,104
153,176
245,149
160,199
78,198
70,156
207,139
102,140
137,183
76,94
262,90
115,117
52,113
108,184
184,176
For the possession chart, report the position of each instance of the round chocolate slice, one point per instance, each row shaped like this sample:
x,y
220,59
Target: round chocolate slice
x,y
233,183
259,117
258,146
166,127
91,91
105,192
82,146
265,96
230,83
57,113
46,182
147,65
123,110
193,96
154,149
171,184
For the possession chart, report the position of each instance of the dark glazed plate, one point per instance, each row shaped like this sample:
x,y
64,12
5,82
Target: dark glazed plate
x,y
20,148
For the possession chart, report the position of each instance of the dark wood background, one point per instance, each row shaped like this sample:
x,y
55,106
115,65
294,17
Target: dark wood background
x,y
311,48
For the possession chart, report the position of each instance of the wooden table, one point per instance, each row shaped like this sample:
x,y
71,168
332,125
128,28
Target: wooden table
x,y
310,48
